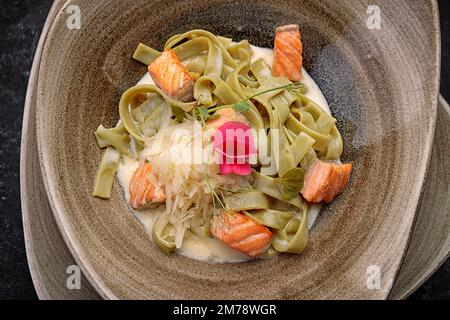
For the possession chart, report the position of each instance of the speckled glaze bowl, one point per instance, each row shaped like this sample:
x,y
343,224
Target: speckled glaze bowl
x,y
381,88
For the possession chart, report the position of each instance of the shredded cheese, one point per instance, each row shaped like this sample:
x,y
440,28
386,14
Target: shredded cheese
x,y
181,156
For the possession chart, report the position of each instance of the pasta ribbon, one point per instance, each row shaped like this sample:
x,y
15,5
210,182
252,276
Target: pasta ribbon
x,y
125,111
106,173
162,234
293,238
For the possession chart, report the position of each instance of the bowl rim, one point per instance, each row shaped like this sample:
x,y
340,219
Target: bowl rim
x,y
57,8
86,266
434,6
440,258
27,140
35,276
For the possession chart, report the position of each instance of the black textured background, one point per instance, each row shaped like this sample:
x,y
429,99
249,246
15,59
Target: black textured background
x,y
20,25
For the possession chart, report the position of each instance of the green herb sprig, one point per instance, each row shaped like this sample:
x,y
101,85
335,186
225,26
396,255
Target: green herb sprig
x,y
244,105
215,197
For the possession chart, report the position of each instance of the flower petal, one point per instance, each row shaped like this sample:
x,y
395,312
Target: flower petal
x,y
239,169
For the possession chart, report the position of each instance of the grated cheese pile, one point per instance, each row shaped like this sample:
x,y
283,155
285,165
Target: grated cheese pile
x,y
175,154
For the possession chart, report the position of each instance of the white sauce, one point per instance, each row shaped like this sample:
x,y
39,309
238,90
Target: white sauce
x,y
207,249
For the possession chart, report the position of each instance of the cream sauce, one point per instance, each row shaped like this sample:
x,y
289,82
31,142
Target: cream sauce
x,y
207,249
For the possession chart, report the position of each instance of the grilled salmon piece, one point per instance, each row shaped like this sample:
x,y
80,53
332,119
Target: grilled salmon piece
x,y
345,178
241,233
333,188
143,193
288,60
172,76
325,181
317,181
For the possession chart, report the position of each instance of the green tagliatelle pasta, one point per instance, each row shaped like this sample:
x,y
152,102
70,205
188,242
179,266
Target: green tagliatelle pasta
x,y
145,54
162,234
247,201
296,132
293,238
271,218
106,172
125,111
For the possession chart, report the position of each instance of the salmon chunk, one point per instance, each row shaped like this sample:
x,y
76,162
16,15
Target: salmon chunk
x,y
241,233
172,76
143,193
324,181
288,52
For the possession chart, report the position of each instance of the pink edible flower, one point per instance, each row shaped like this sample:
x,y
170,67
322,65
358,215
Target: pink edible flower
x,y
235,144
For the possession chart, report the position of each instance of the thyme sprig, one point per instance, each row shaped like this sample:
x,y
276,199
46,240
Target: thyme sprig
x,y
244,105
215,197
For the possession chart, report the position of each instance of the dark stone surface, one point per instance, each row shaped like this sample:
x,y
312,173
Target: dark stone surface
x,y
20,24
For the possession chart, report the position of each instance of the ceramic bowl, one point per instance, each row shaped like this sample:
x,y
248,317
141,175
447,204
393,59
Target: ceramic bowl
x,y
380,88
